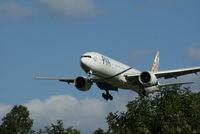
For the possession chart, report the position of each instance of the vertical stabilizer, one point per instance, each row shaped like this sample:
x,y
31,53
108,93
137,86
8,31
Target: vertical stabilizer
x,y
155,65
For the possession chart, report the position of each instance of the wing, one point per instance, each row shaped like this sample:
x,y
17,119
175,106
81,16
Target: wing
x,y
66,79
62,79
176,73
168,74
174,84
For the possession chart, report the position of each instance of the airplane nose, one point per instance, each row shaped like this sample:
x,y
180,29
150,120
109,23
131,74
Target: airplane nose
x,y
83,63
83,60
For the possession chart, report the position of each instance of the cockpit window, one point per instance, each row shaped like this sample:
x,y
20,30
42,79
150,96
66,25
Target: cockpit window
x,y
86,56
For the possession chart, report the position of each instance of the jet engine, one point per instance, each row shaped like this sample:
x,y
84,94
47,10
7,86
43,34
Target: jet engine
x,y
82,83
148,79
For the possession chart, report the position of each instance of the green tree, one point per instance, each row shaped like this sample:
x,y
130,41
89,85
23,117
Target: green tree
x,y
40,131
17,121
100,131
172,110
71,130
58,128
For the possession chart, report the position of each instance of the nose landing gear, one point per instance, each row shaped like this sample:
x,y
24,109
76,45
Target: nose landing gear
x,y
107,96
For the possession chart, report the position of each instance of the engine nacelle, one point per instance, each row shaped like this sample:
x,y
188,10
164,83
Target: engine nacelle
x,y
148,79
82,83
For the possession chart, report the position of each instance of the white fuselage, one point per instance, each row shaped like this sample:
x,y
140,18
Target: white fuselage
x,y
109,70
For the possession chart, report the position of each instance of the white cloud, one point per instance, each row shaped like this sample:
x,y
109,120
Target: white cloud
x,y
11,9
73,112
59,9
86,115
193,52
68,8
4,109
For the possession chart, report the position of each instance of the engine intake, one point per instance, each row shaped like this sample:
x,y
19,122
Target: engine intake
x,y
148,79
82,83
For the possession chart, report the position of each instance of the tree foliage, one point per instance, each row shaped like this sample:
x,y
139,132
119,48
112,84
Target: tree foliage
x,y
172,110
58,128
100,131
17,121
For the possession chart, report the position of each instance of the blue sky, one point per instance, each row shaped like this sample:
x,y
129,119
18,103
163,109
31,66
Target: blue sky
x,y
47,38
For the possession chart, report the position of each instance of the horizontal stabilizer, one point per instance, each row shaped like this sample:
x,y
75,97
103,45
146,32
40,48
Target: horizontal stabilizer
x,y
174,84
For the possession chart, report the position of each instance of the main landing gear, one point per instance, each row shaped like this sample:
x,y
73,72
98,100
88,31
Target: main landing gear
x,y
107,96
142,92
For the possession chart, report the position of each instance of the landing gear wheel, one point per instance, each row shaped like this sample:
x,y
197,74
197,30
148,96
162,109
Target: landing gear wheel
x,y
107,96
142,93
110,97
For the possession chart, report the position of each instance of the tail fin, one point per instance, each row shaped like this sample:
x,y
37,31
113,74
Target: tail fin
x,y
155,65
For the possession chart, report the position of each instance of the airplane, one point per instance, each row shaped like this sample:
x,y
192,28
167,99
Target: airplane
x,y
111,75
